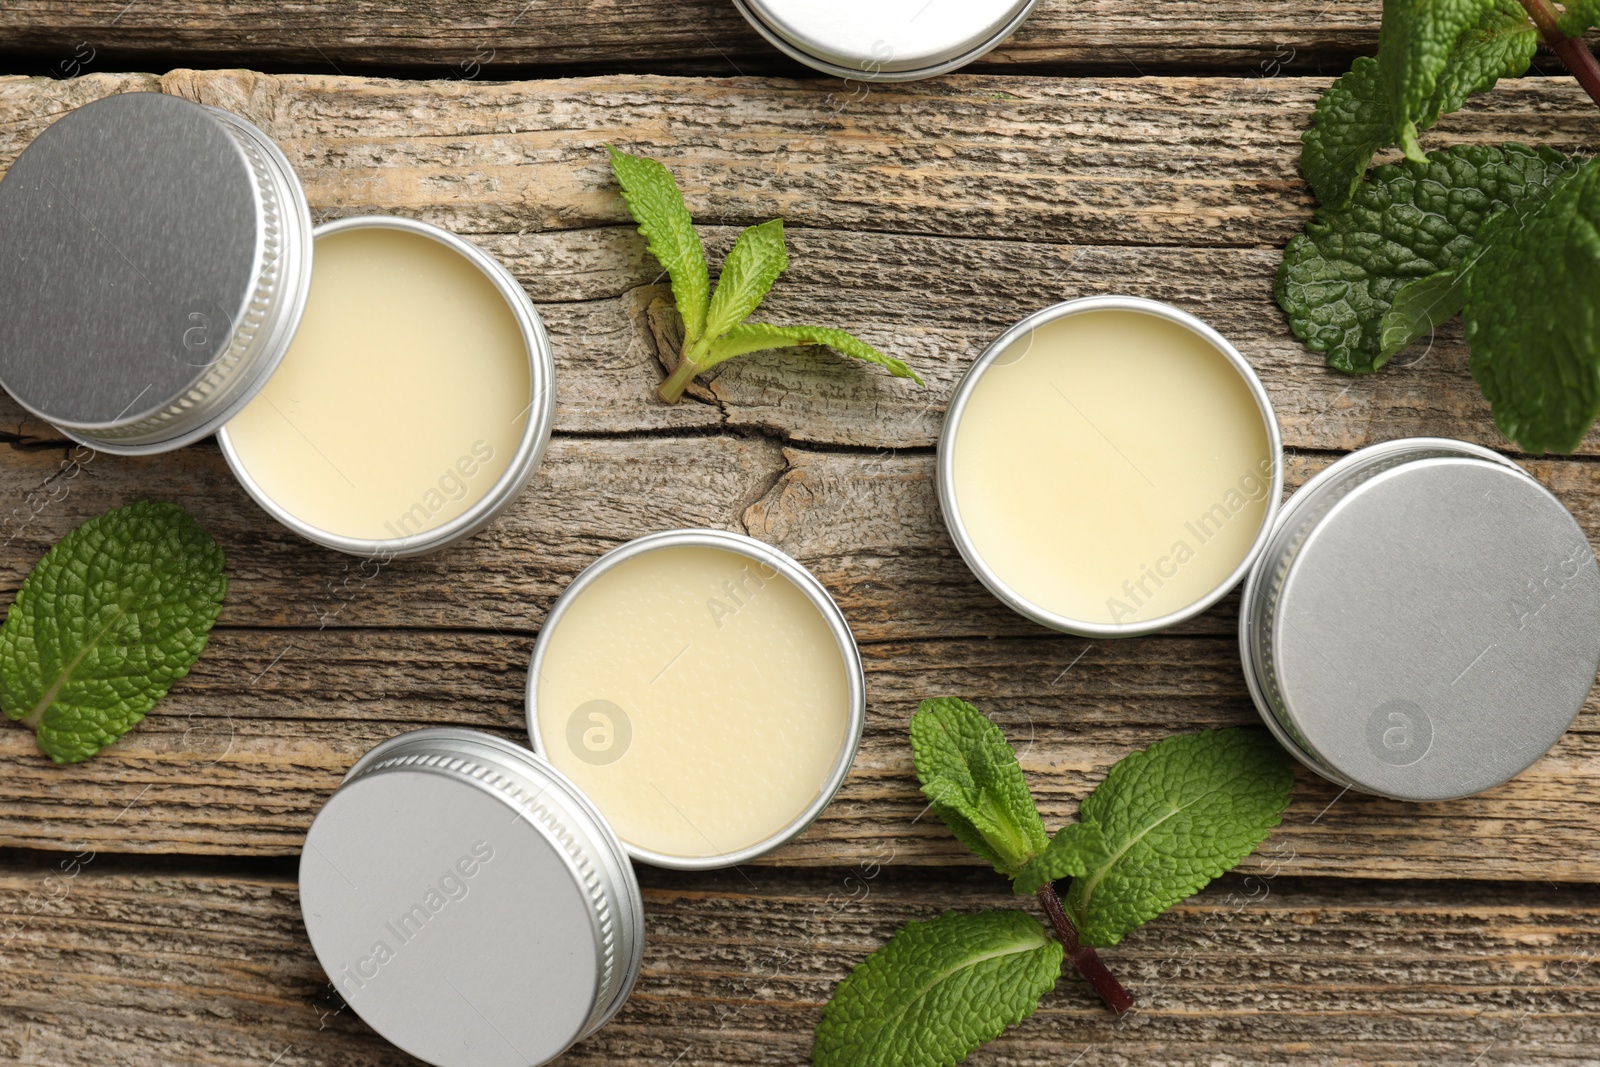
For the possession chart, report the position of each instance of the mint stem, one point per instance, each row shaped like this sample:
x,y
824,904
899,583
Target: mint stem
x,y
679,380
1086,959
1572,52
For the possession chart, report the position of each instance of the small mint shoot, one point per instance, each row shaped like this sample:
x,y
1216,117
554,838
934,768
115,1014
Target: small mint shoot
x,y
105,623
1162,825
714,326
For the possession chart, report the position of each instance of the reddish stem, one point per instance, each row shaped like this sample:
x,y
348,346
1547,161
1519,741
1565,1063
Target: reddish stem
x,y
1572,52
1086,959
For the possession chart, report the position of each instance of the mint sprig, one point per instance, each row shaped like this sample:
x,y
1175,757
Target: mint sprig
x,y
105,623
714,326
1163,824
1387,259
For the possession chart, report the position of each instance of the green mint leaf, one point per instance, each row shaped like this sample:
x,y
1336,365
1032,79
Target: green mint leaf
x,y
973,782
1072,851
1354,120
1351,124
1419,307
1340,279
1172,818
758,336
755,262
938,990
1579,16
1414,48
656,203
105,623
1533,315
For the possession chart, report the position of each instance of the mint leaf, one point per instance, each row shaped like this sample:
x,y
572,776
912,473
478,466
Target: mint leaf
x,y
755,262
758,336
657,206
1340,280
972,779
1578,17
1533,315
1355,118
1414,47
1172,818
105,623
1071,851
938,990
1351,124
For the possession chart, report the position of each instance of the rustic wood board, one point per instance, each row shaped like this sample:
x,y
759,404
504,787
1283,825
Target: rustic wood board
x,y
110,966
926,218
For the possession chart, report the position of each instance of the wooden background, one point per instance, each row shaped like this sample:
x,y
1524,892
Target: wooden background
x,y
149,894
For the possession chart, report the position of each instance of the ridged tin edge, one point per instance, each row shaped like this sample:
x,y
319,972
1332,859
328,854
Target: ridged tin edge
x,y
813,591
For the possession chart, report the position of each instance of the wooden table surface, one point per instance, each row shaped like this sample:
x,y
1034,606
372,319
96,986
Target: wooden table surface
x,y
1149,149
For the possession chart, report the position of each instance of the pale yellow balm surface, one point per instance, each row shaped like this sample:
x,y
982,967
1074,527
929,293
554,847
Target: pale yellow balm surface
x,y
1113,467
697,697
402,398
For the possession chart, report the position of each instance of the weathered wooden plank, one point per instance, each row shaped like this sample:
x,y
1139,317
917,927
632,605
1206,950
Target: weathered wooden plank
x,y
484,38
1026,191
178,967
244,751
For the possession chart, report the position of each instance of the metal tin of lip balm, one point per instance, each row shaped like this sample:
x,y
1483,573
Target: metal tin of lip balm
x,y
771,558
951,509
158,260
468,902
1424,623
530,447
886,41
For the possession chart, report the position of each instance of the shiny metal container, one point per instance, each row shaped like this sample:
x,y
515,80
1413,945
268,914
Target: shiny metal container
x,y
946,469
530,447
1424,623
803,580
468,902
158,259
888,40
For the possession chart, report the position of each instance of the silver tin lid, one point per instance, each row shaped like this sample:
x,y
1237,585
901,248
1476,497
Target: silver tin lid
x,y
469,903
157,262
813,590
889,40
1425,621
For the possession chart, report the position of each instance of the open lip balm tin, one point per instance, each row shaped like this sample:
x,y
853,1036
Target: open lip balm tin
x,y
160,266
687,673
1123,468
888,40
1424,623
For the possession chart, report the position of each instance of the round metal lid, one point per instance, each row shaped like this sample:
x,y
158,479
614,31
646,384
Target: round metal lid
x,y
468,903
139,230
1438,630
889,39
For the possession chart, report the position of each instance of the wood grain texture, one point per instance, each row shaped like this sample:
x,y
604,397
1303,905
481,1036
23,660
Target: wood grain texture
x,y
485,38
108,966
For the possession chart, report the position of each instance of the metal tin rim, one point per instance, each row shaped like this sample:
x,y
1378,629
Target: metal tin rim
x,y
814,592
795,52
621,881
286,308
535,435
946,461
1298,518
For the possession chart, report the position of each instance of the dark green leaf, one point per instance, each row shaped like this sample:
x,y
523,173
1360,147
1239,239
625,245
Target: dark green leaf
x,y
1074,848
937,991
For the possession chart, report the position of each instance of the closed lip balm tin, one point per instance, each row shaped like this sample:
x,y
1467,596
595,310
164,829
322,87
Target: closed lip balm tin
x,y
469,903
1424,623
887,40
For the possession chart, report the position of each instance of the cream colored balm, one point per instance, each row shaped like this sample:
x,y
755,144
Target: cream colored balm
x,y
401,400
1112,467
698,698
